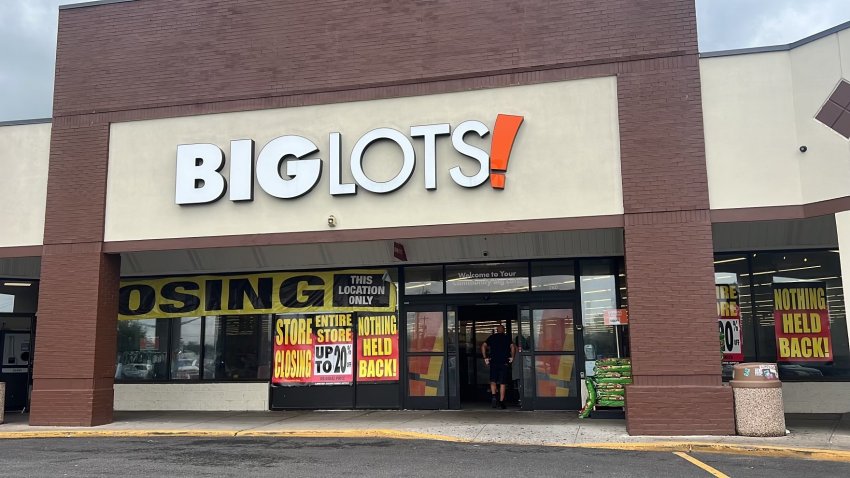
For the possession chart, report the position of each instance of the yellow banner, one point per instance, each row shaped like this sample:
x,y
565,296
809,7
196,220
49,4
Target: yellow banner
x,y
262,293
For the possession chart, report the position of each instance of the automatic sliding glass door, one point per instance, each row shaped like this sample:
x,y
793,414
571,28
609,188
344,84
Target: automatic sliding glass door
x,y
431,353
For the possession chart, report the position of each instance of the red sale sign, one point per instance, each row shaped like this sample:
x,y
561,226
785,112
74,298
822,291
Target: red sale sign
x,y
729,320
801,320
377,347
313,349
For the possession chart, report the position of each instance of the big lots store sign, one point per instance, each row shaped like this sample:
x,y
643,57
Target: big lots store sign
x,y
199,179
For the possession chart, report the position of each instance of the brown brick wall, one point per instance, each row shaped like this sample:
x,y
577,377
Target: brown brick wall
x,y
76,336
674,339
161,52
159,58
679,410
76,185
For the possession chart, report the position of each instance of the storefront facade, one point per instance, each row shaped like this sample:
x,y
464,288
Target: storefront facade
x,y
336,217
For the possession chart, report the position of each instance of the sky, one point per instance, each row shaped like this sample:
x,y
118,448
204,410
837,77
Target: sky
x,y
28,39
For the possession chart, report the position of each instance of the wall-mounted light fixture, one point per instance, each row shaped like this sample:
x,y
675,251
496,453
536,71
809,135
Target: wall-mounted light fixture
x,y
17,284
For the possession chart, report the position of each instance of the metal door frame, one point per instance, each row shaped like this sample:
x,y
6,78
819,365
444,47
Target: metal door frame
x,y
449,354
449,304
31,331
530,400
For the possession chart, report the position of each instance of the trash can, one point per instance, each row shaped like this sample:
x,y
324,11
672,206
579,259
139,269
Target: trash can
x,y
759,411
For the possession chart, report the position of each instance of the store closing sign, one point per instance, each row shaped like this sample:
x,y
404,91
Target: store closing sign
x,y
729,320
199,179
262,293
318,349
314,349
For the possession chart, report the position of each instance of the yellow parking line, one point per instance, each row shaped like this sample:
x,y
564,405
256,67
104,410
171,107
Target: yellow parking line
x,y
700,464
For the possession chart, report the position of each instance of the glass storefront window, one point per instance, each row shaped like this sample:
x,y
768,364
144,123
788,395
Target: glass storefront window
x,y
19,296
553,330
553,275
142,349
242,346
770,268
211,350
425,376
492,278
599,290
733,270
425,280
555,375
238,345
186,348
425,332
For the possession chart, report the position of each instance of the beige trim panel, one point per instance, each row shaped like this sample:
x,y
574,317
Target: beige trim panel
x,y
24,157
565,163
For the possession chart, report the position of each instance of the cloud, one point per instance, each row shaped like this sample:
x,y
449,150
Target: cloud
x,y
28,36
731,24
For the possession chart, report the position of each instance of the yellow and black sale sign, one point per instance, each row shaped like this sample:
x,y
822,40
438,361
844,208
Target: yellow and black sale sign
x,y
262,293
801,315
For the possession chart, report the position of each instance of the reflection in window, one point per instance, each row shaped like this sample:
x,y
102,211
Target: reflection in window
x,y
733,269
7,303
211,350
555,375
186,348
425,376
553,330
599,292
142,349
552,275
425,332
495,278
242,346
423,280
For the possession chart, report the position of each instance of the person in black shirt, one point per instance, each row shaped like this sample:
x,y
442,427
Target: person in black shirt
x,y
498,352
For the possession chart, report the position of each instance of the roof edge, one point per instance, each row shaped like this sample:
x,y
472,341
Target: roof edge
x,y
26,121
787,47
93,3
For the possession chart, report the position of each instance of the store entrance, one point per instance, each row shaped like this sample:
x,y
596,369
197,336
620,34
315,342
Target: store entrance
x,y
475,324
16,345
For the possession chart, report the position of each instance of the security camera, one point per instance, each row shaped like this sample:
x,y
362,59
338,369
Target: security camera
x,y
485,253
331,221
803,149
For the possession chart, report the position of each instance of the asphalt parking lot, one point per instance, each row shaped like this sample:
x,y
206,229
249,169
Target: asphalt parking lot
x,y
253,456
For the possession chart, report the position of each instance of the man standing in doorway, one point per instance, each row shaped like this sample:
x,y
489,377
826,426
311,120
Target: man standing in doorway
x,y
498,352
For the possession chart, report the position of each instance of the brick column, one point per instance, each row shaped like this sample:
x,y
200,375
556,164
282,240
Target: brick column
x,y
75,341
674,338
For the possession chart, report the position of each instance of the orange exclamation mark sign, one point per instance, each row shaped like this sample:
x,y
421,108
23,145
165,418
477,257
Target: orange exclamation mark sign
x,y
504,134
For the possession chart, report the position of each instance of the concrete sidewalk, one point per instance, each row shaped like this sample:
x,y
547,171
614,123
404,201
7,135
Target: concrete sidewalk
x,y
809,433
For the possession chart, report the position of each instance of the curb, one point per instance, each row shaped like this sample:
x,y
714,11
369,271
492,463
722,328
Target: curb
x,y
724,448
665,446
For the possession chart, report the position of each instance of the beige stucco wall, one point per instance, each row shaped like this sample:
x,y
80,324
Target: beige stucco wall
x,y
816,397
759,108
817,69
24,156
192,396
565,163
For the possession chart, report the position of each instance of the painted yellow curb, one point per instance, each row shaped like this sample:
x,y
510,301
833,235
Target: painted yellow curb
x,y
724,448
661,446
